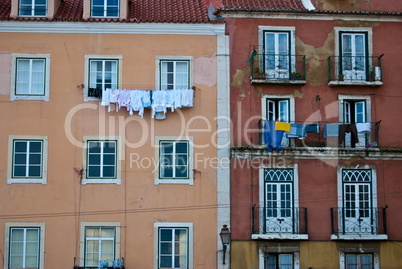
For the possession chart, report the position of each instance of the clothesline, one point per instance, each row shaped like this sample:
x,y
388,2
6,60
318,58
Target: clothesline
x,y
159,101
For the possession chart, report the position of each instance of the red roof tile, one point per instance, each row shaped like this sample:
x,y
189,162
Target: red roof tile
x,y
174,11
264,4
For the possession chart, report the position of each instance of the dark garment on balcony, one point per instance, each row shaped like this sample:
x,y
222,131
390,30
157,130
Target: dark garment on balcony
x,y
312,128
272,138
348,128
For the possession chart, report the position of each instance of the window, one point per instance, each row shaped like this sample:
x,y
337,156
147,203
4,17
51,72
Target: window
x,y
27,159
278,108
277,45
363,257
175,160
279,261
105,8
279,207
277,54
101,159
358,216
173,72
174,75
352,110
353,55
30,77
99,245
102,72
173,244
359,261
32,7
279,203
284,257
357,201
100,242
24,245
102,163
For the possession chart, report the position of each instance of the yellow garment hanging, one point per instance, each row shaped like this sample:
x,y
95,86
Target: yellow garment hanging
x,y
282,126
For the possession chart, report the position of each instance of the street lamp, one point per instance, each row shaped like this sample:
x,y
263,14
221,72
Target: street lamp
x,y
225,238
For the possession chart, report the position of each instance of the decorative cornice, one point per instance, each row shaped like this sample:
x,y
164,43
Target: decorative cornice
x,y
317,153
111,28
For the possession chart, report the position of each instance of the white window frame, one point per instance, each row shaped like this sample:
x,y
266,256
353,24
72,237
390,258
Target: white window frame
x,y
292,38
33,9
41,180
340,187
295,168
342,98
40,225
357,30
13,95
105,9
295,251
359,251
291,98
190,179
117,180
188,225
159,59
89,57
116,225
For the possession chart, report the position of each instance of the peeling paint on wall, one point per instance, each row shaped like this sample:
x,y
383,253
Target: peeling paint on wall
x,y
355,23
352,5
298,94
5,72
316,59
239,79
205,70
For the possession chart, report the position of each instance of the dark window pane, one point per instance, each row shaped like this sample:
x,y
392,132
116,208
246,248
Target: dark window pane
x,y
166,235
35,146
109,147
94,171
94,147
94,159
35,158
181,171
108,171
109,159
34,171
19,171
181,147
20,158
166,248
166,172
166,261
167,147
20,146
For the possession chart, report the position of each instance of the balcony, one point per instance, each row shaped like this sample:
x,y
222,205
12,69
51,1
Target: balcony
x,y
359,223
316,138
277,68
355,71
117,264
284,223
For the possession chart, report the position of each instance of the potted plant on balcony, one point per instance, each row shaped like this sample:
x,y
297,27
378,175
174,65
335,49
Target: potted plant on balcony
x,y
295,76
341,77
371,76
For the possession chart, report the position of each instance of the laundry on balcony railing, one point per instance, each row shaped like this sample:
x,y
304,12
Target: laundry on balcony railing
x,y
273,134
137,100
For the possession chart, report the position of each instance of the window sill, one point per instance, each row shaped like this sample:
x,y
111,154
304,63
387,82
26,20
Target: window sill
x,y
282,236
116,181
359,237
355,83
189,181
27,180
277,81
29,97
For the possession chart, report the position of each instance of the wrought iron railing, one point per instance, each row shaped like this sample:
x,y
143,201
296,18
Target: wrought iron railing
x,y
291,220
352,221
316,139
117,264
282,67
355,68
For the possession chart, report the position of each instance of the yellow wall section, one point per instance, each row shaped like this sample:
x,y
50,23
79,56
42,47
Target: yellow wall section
x,y
315,254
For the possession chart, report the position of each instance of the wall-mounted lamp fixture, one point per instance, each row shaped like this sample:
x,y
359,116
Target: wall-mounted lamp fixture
x,y
225,238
